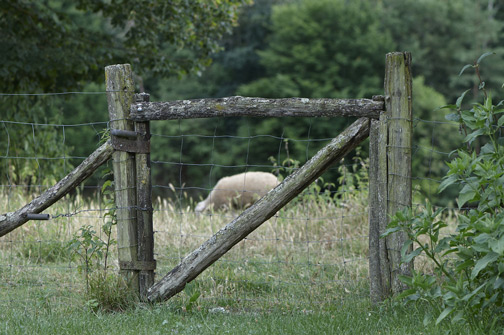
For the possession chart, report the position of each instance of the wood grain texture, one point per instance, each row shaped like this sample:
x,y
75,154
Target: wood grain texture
x,y
120,93
398,92
145,231
256,107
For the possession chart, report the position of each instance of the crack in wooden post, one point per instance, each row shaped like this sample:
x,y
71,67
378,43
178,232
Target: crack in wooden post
x,y
390,178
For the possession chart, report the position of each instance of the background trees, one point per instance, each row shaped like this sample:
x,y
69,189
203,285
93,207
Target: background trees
x,y
442,35
325,48
57,45
60,45
330,48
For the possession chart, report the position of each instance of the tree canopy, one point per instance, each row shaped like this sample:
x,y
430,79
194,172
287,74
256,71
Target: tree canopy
x,y
60,45
56,45
324,48
444,35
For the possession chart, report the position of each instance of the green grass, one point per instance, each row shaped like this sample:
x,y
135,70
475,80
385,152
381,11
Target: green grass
x,y
302,272
346,317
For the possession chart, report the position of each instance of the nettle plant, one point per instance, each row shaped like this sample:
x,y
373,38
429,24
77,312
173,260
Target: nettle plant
x,y
92,249
467,285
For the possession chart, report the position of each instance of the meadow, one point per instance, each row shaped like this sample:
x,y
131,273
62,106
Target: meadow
x,y
304,271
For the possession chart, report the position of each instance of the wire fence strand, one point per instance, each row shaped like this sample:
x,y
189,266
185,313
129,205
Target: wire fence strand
x,y
315,249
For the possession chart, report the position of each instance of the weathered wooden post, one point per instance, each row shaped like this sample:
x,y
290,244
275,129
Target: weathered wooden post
x,y
132,181
390,177
120,92
146,263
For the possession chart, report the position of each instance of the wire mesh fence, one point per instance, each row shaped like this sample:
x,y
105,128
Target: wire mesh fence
x,y
314,249
36,267
311,253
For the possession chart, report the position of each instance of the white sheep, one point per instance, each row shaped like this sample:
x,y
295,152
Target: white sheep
x,y
240,190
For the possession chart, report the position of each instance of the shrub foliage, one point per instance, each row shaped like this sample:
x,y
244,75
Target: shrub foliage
x,y
467,285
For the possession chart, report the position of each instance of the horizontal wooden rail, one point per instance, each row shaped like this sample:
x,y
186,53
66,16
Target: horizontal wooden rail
x,y
255,107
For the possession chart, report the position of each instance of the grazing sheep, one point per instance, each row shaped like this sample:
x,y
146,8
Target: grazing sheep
x,y
240,190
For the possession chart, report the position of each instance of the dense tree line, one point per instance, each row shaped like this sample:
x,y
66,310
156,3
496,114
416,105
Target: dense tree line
x,y
322,48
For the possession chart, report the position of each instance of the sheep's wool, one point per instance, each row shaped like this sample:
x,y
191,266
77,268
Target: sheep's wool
x,y
240,190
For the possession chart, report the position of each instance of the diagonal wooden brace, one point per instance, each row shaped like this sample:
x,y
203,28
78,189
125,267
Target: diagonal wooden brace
x,y
210,251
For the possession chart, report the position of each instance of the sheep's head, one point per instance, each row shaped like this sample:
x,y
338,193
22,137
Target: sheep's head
x,y
200,207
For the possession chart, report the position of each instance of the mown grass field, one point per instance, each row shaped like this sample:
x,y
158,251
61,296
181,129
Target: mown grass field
x,y
302,272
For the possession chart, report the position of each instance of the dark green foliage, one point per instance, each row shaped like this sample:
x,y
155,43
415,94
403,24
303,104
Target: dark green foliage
x,y
23,143
293,27
323,49
280,48
237,63
56,46
431,146
443,34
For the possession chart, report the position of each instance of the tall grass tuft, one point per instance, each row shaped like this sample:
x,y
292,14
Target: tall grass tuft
x,y
109,292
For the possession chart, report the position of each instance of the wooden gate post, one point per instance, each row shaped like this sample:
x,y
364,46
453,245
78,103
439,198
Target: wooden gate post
x,y
390,177
120,92
132,181
146,263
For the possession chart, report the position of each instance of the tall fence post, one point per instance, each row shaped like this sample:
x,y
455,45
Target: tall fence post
x,y
390,177
146,263
120,93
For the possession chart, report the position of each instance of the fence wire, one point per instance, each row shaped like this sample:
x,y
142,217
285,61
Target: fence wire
x,y
313,252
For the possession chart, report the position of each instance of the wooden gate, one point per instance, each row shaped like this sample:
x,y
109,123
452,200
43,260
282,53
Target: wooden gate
x,y
387,120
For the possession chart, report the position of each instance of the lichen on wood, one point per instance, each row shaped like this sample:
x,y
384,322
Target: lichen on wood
x,y
120,95
390,178
255,107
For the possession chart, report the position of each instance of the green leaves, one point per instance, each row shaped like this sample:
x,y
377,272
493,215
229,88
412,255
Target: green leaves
x,y
483,263
63,44
485,55
318,47
469,263
476,64
86,243
468,193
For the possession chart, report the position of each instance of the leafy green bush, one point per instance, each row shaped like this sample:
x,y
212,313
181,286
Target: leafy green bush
x,y
467,285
